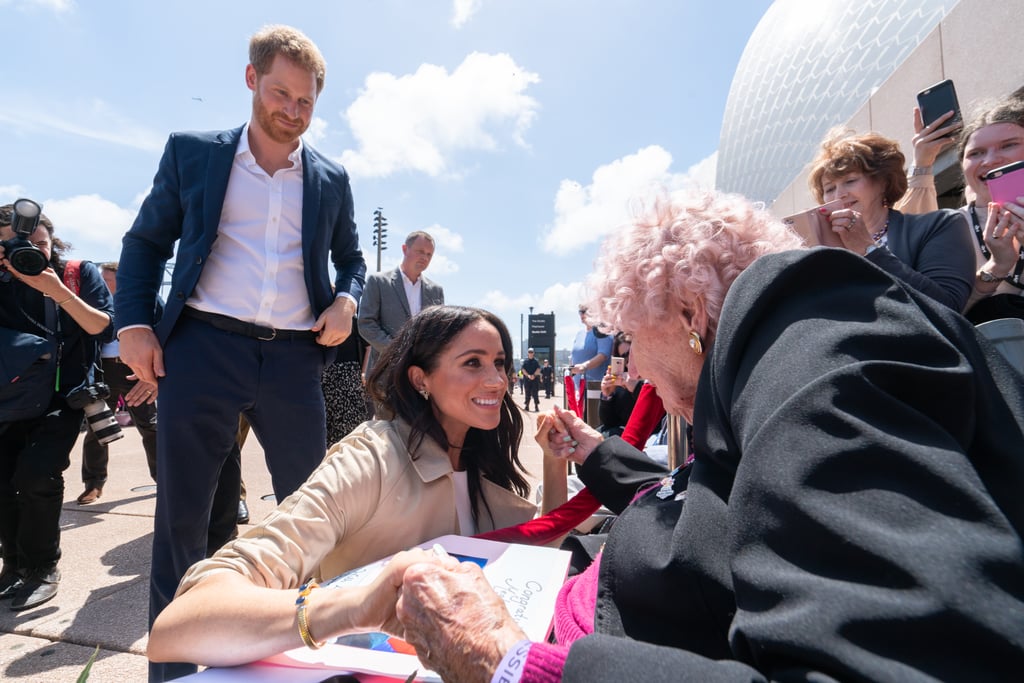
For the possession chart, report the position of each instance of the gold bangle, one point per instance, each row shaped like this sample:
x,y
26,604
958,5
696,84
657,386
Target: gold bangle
x,y
61,303
301,604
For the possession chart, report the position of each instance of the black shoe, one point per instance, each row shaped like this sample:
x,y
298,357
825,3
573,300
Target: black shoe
x,y
39,587
10,582
243,512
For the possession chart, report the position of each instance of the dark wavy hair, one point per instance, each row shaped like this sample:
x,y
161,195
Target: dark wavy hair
x,y
58,247
492,453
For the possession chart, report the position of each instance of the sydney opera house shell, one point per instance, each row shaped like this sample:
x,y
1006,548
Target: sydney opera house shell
x,y
811,65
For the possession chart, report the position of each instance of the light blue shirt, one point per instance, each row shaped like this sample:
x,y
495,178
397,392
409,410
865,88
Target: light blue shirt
x,y
586,346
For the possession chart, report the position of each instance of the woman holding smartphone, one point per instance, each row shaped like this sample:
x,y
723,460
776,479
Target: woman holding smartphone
x,y
993,138
929,252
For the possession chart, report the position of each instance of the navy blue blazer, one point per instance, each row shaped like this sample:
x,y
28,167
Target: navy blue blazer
x,y
185,205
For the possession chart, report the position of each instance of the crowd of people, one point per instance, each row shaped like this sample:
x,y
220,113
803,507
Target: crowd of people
x,y
851,494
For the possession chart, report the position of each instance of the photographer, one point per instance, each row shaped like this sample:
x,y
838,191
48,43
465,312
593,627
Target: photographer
x,y
38,426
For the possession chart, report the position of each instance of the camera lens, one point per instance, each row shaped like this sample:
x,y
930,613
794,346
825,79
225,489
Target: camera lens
x,y
27,260
102,422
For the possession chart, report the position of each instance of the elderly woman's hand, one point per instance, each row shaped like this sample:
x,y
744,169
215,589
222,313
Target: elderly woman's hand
x,y
376,608
563,435
929,140
459,626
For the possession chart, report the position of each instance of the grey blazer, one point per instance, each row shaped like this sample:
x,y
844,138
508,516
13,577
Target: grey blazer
x,y
384,308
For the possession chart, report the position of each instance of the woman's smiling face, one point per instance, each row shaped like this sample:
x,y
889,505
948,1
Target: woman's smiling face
x,y
468,383
989,148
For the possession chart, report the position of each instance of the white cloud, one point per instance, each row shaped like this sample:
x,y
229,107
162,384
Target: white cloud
x,y
561,299
56,6
447,243
316,132
463,10
8,193
94,120
703,172
419,122
446,239
92,224
585,214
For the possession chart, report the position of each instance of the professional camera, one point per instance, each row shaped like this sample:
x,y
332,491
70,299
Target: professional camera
x,y
24,256
102,422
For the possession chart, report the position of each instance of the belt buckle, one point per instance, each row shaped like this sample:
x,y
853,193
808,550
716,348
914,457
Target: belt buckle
x,y
273,334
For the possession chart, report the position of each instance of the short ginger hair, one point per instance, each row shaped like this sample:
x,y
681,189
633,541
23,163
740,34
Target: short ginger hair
x,y
289,42
843,151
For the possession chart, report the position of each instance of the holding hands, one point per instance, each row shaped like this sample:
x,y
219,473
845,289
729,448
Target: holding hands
x,y
564,436
459,626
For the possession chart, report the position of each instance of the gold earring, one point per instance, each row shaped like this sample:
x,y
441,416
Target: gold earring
x,y
696,343
425,394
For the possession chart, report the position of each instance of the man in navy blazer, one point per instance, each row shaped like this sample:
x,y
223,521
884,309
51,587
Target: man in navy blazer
x,y
250,319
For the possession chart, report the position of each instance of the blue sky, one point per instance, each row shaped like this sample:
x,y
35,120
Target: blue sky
x,y
512,130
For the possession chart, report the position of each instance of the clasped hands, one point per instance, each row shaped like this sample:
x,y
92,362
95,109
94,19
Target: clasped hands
x,y
448,611
445,609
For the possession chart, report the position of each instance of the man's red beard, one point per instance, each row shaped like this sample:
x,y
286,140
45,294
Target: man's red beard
x,y
267,121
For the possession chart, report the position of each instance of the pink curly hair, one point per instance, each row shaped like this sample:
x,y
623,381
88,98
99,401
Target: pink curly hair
x,y
677,259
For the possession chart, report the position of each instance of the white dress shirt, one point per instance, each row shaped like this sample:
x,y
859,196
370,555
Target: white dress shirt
x,y
255,269
413,292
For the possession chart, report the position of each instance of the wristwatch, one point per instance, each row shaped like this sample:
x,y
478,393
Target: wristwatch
x,y
986,276
919,170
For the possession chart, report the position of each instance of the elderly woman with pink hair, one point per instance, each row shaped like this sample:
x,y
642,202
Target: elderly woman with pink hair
x,y
852,511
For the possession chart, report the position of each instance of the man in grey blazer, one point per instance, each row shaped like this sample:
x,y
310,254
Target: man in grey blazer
x,y
392,297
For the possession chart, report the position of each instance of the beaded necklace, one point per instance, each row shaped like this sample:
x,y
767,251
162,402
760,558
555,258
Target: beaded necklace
x,y
877,236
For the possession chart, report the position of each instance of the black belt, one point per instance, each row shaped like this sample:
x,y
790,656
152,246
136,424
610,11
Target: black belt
x,y
236,326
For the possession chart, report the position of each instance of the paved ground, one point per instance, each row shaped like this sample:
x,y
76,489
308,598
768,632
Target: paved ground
x,y
104,594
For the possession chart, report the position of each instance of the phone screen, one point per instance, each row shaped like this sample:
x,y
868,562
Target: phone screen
x,y
936,101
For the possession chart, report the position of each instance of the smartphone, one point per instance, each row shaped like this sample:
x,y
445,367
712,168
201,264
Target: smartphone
x,y
936,101
812,225
1006,183
618,366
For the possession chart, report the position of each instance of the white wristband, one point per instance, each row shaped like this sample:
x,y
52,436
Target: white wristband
x,y
511,668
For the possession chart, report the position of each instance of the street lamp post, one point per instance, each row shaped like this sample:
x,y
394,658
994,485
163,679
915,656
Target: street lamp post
x,y
380,233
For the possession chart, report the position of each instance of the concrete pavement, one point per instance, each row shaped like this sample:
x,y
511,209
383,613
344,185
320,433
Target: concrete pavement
x,y
104,593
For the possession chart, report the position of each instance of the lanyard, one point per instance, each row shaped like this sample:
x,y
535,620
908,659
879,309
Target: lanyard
x,y
1018,270
53,320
